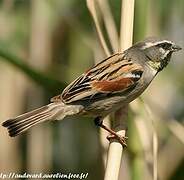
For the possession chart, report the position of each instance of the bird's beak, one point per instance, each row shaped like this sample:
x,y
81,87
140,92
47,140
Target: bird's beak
x,y
176,48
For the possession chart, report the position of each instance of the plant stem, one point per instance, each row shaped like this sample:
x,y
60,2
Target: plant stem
x,y
120,124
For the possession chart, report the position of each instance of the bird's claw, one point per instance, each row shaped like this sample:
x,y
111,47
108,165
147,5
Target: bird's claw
x,y
121,139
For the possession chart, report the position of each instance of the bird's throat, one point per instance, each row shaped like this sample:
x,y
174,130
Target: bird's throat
x,y
155,65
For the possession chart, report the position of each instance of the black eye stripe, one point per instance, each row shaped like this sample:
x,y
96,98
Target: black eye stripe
x,y
164,45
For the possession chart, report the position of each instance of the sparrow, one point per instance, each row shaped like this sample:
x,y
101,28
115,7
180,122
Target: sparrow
x,y
104,88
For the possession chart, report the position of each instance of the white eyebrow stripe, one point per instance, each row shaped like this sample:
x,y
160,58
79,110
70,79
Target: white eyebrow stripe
x,y
149,44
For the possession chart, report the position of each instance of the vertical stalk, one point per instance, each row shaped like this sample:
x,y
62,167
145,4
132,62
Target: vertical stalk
x,y
127,19
120,124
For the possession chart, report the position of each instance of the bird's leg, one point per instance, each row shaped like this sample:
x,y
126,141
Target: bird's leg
x,y
99,122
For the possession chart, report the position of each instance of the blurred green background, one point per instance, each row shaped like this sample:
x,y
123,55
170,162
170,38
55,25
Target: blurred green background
x,y
44,45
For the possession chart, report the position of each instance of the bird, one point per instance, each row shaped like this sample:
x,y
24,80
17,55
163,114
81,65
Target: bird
x,y
104,88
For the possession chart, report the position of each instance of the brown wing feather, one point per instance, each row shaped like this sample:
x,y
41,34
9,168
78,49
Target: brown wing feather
x,y
112,86
120,80
114,74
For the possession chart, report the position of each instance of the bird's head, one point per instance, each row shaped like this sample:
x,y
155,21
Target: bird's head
x,y
157,51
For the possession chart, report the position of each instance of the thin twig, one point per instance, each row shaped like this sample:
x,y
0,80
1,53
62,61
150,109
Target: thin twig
x,y
155,155
155,141
160,159
92,9
109,24
177,129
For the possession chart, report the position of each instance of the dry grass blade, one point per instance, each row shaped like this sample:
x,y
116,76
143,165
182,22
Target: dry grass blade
x,y
155,155
148,137
177,129
92,9
155,141
109,24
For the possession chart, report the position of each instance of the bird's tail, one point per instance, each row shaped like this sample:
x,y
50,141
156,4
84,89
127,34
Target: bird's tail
x,y
25,121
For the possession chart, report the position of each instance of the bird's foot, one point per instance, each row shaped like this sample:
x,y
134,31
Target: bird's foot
x,y
113,135
118,137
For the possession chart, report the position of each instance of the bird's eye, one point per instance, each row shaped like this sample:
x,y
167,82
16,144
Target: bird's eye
x,y
164,45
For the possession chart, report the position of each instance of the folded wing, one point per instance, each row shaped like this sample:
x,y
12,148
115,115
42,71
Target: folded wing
x,y
113,75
